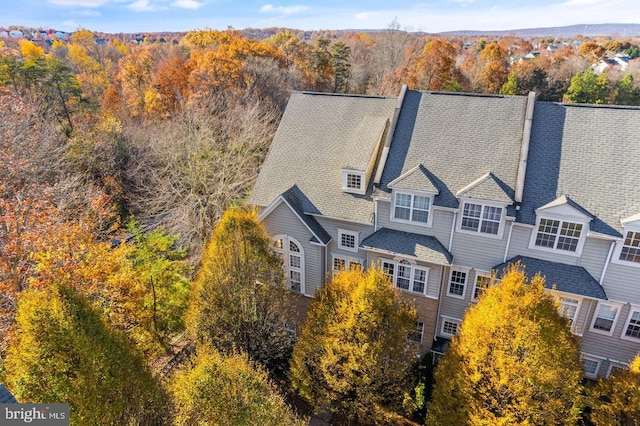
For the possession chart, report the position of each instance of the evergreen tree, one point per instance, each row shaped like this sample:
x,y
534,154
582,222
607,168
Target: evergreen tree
x,y
515,361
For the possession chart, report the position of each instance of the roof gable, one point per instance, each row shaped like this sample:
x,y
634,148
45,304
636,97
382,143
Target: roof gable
x,y
565,207
488,187
416,179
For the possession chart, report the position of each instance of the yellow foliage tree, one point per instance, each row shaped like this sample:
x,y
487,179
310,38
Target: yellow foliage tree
x,y
616,401
213,389
514,362
352,354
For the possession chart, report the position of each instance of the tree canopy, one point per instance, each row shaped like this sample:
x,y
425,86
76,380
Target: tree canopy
x,y
615,401
353,354
515,361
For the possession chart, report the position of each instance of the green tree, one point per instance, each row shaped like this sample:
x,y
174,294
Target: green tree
x,y
64,352
515,361
352,354
213,389
615,401
239,300
588,88
626,92
340,62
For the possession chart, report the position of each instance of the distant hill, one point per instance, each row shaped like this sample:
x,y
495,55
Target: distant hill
x,y
587,30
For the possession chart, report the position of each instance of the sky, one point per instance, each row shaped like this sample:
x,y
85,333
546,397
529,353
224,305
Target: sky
x,y
135,16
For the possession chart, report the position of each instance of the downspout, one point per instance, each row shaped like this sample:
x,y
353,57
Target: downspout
x,y
453,227
440,296
606,265
392,131
375,215
506,249
524,149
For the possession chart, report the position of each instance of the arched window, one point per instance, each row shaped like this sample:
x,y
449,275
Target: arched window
x,y
293,259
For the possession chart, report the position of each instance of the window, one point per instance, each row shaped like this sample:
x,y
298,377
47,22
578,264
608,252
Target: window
x,y
348,240
558,235
450,326
631,247
457,283
482,283
411,208
353,181
605,318
616,368
293,259
406,276
569,308
417,333
341,263
590,366
481,218
632,328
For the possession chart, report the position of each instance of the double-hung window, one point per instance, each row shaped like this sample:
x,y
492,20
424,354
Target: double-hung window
x,y
630,251
556,234
590,366
411,207
481,218
457,283
406,276
417,333
569,308
342,263
632,327
604,320
483,281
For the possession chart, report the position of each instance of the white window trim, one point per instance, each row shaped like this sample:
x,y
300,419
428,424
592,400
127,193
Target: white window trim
x,y
345,188
574,325
581,240
466,283
286,261
414,267
619,245
484,204
626,325
428,195
444,319
347,262
593,358
415,331
356,239
619,364
475,282
615,320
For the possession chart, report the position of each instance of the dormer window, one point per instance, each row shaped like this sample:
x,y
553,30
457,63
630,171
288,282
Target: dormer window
x,y
353,181
558,234
411,207
630,251
481,218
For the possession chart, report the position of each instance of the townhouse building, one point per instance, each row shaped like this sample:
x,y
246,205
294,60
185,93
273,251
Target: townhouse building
x,y
443,189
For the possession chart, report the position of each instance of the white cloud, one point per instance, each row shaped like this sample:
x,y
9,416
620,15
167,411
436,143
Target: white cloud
x,y
79,3
285,10
188,4
142,6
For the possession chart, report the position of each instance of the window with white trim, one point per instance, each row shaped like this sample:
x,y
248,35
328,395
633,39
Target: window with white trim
x,y
353,181
341,263
632,327
556,234
348,240
604,320
409,207
616,368
481,218
406,275
483,281
590,366
569,308
457,283
449,327
630,251
293,259
417,333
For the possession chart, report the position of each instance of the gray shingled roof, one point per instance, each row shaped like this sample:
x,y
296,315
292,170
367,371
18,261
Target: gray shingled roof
x,y
458,138
416,179
318,136
589,153
488,187
297,200
566,278
420,247
5,396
